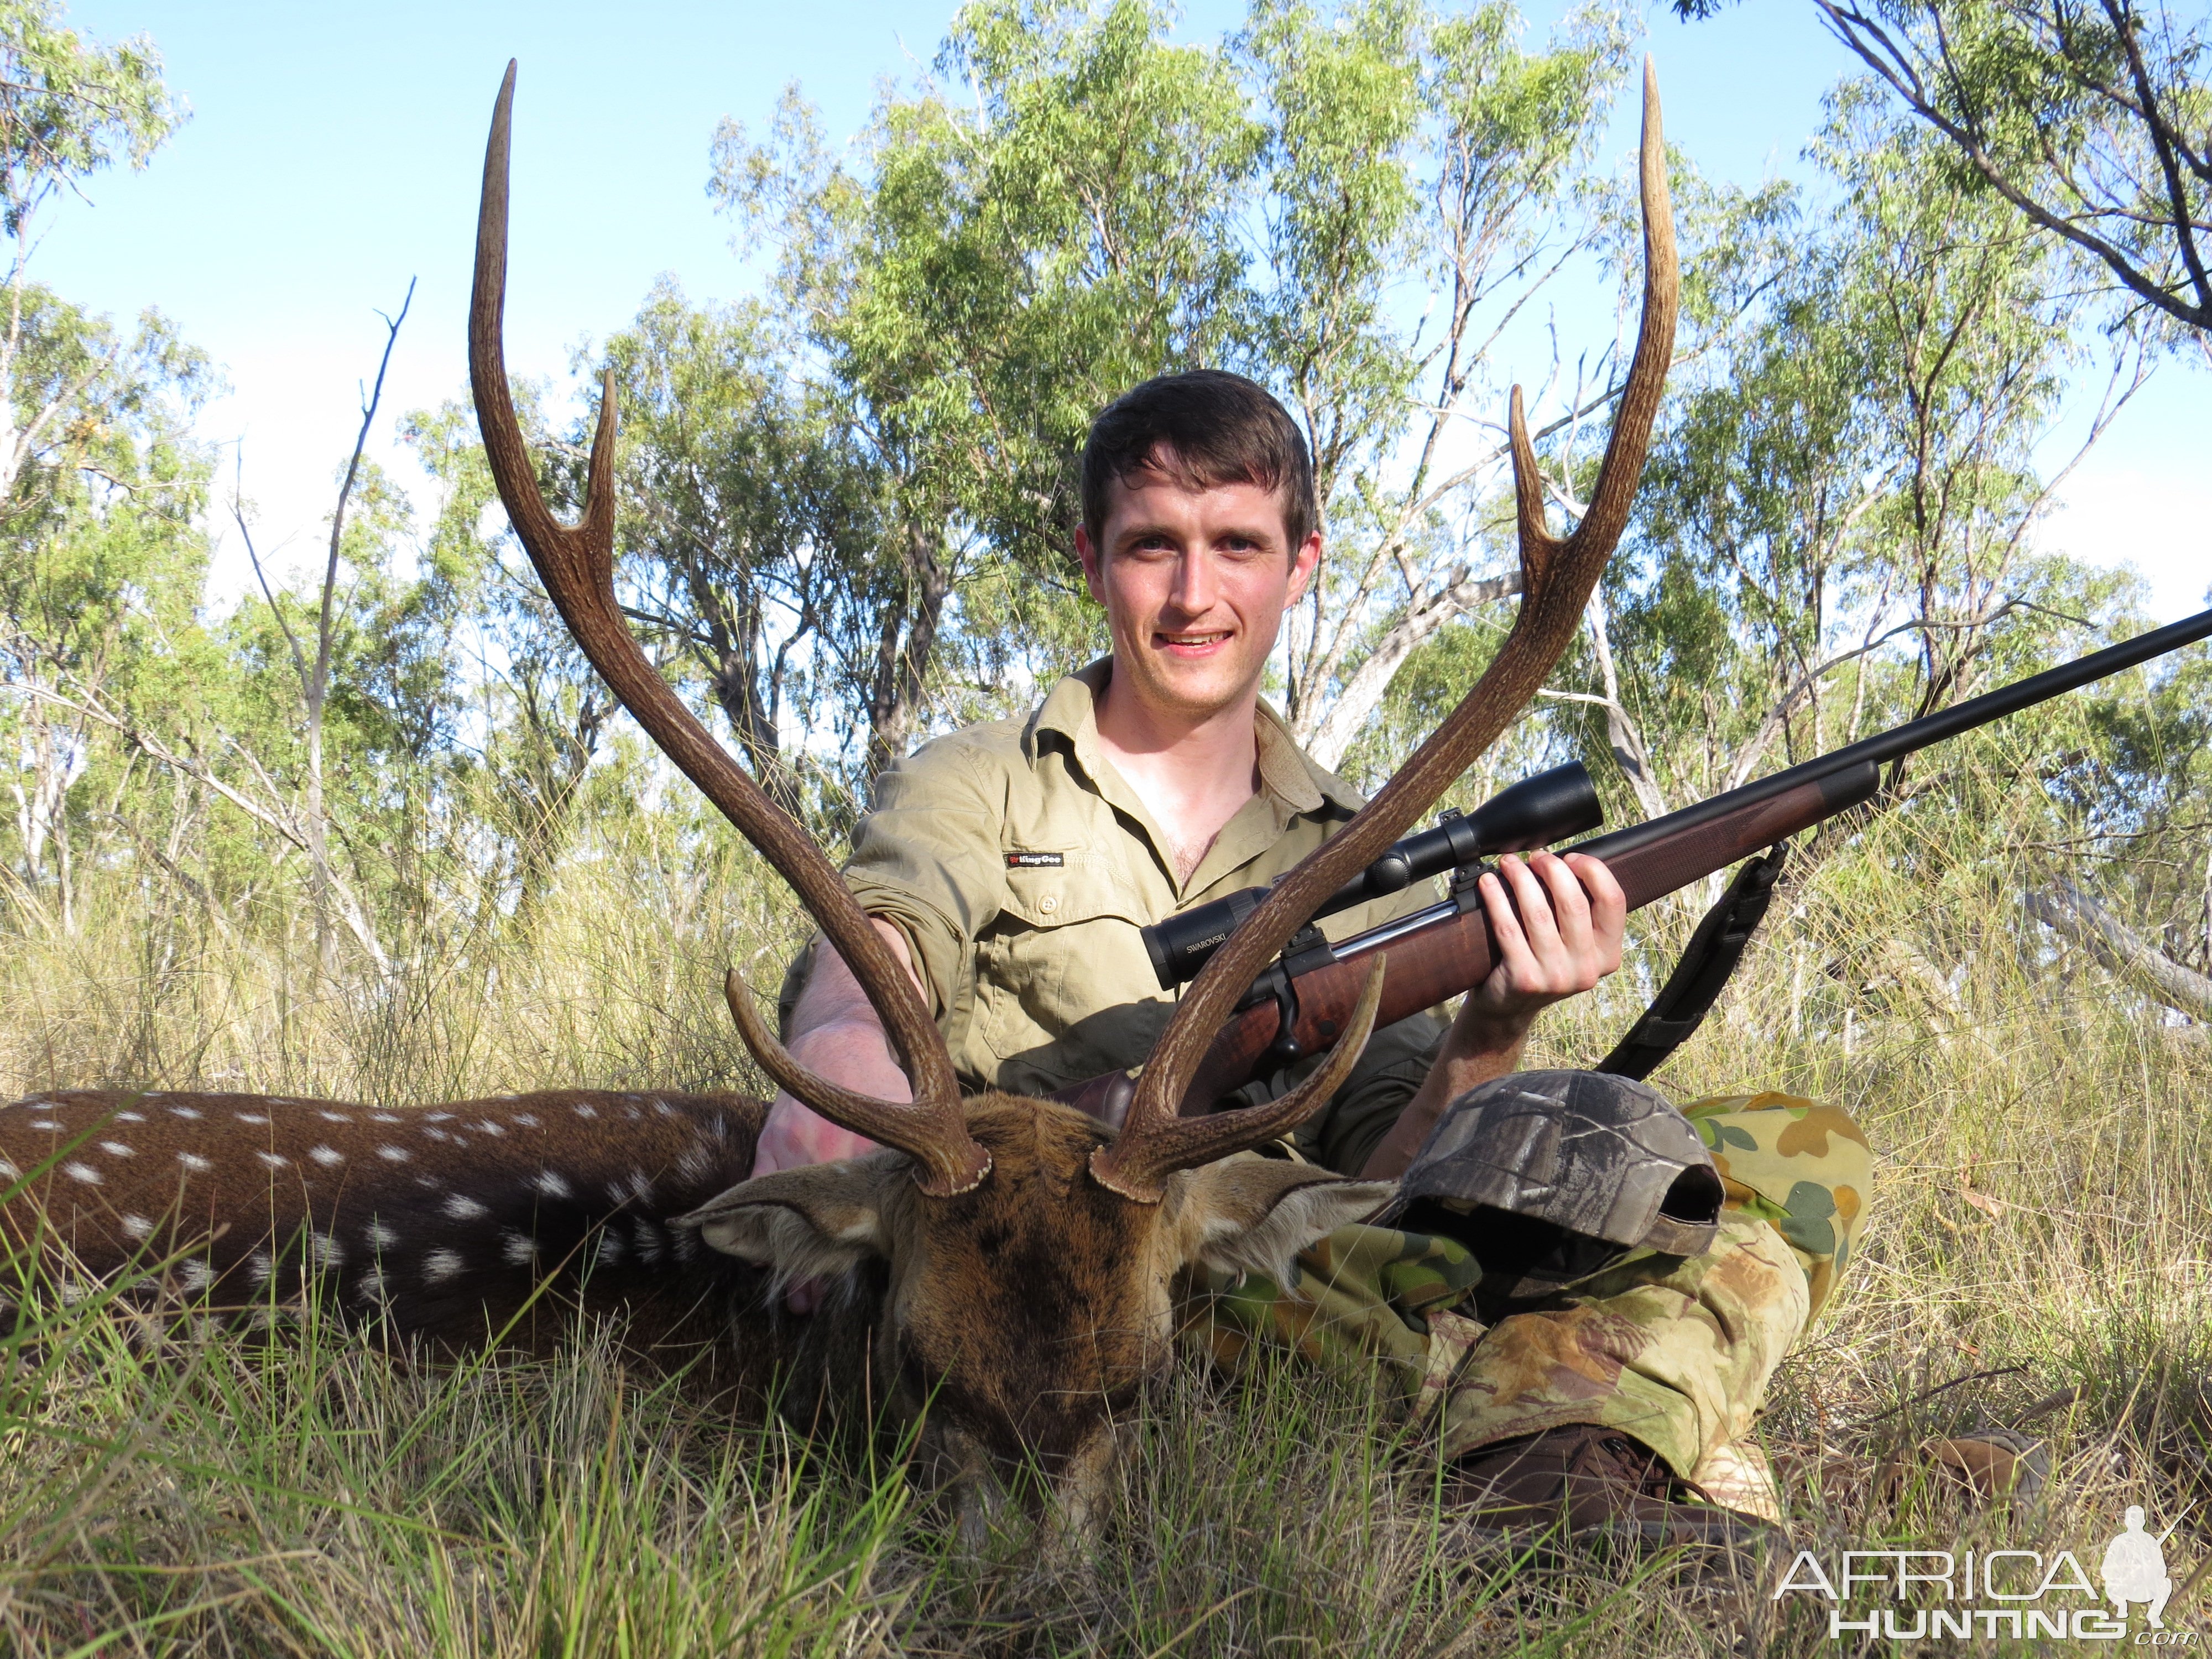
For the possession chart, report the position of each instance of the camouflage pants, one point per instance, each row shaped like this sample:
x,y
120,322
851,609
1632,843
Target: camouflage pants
x,y
1674,1351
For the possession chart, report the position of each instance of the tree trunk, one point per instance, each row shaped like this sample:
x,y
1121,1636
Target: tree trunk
x,y
2080,917
901,671
1326,736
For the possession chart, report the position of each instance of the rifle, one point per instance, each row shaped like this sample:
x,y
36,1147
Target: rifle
x,y
1297,1006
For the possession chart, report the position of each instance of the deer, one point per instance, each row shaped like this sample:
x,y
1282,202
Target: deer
x,y
1003,1271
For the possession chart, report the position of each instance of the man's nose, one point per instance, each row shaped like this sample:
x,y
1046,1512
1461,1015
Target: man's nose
x,y
1195,587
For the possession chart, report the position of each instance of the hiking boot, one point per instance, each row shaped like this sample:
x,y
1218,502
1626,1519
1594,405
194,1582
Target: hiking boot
x,y
1588,1481
1986,1465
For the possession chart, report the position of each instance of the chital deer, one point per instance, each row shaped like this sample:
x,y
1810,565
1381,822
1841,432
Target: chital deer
x,y
1005,1268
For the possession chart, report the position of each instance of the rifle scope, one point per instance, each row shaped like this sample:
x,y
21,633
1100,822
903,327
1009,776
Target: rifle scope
x,y
1534,812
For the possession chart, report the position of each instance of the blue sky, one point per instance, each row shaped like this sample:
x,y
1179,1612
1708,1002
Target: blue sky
x,y
335,149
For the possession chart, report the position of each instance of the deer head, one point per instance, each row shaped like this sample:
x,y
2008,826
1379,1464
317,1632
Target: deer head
x,y
1029,1252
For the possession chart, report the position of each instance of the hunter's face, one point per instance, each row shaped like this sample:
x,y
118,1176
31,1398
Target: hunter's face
x,y
1194,583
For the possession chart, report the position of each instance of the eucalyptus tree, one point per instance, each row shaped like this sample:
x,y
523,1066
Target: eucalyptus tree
x,y
1050,218
1853,469
1420,186
1073,202
2092,117
97,481
755,527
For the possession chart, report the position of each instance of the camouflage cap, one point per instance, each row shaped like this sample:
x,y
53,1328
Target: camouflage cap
x,y
1596,1157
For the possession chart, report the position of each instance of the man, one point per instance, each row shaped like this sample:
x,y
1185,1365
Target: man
x,y
1011,866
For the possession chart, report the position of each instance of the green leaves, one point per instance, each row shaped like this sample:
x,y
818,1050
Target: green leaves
x,y
70,108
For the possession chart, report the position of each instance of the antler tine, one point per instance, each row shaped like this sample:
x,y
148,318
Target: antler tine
x,y
1558,577
577,566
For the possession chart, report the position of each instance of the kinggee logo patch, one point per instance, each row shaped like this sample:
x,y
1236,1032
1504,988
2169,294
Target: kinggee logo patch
x,y
1995,1595
1035,860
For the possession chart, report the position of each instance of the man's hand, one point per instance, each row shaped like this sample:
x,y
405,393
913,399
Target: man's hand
x,y
795,1135
1558,922
835,1034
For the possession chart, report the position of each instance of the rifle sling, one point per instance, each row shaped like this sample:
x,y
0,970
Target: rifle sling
x,y
1707,961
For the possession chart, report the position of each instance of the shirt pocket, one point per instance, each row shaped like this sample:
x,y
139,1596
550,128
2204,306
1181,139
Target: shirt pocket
x,y
1062,973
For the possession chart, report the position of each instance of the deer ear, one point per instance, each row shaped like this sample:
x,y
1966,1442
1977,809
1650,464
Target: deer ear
x,y
816,1222
1251,1215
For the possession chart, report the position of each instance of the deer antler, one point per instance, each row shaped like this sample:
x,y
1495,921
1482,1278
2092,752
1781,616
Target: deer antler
x,y
577,566
1557,580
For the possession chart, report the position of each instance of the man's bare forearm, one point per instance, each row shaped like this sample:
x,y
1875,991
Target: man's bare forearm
x,y
836,1034
1557,925
1466,1058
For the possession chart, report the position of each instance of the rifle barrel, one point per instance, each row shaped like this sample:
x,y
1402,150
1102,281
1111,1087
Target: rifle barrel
x,y
1914,734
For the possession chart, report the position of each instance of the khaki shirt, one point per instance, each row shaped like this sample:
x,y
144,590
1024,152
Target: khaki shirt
x,y
1020,866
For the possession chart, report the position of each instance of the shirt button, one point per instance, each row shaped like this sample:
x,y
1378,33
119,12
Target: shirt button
x,y
1048,904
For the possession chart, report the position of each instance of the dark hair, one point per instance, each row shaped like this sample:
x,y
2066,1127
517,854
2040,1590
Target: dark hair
x,y
1203,428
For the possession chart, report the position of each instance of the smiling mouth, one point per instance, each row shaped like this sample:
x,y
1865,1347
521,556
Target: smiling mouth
x,y
1191,642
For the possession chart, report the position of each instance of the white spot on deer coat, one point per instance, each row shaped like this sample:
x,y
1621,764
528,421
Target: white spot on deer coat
x,y
260,1266
437,1135
251,1117
83,1172
648,1241
386,1117
439,1266
274,1160
519,1250
184,1112
379,1236
641,1187
394,1154
527,1120
116,1149
491,1128
437,1117
8,1171
131,1117
334,1117
326,1156
197,1274
195,1163
324,1250
137,1225
371,1287
611,1250
551,1184
463,1208
584,1110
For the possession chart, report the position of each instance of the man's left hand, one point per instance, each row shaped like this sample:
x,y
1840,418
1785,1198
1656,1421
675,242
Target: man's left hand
x,y
1558,922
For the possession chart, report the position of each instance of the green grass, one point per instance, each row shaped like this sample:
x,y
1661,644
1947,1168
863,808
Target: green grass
x,y
2038,1227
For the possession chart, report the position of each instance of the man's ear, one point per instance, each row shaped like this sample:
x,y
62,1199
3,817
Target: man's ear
x,y
1093,559
1306,559
1251,1215
816,1222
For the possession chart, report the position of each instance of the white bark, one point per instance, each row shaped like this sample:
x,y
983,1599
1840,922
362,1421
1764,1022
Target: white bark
x,y
2069,910
265,803
1327,740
